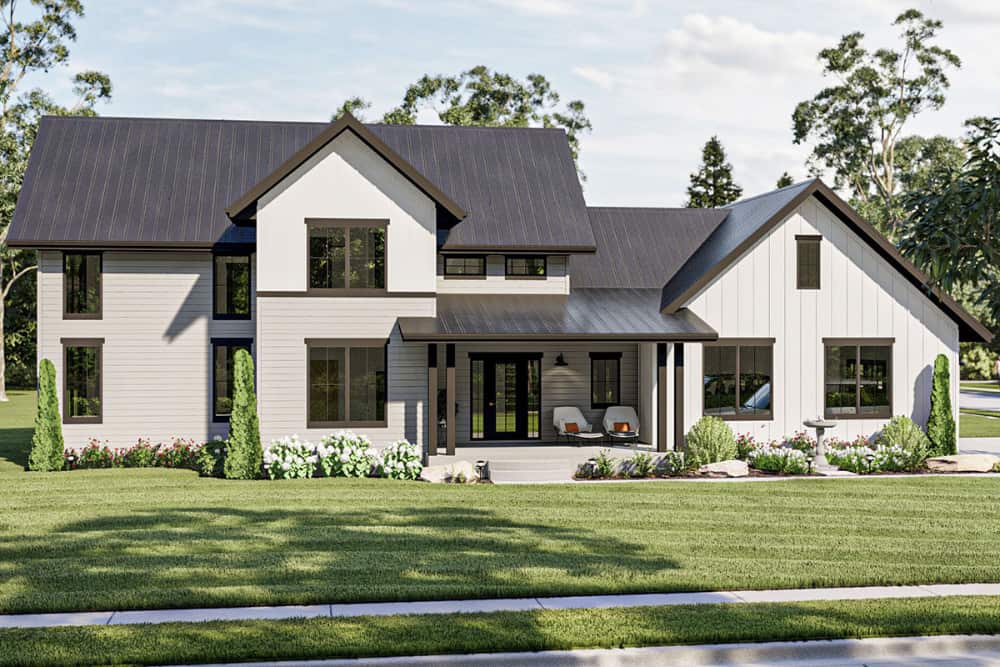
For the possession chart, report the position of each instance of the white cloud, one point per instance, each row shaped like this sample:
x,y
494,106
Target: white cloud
x,y
598,77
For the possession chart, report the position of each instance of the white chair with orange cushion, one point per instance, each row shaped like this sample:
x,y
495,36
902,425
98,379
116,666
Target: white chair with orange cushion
x,y
621,423
568,421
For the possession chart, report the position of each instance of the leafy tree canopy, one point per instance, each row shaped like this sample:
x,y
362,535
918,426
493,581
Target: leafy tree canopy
x,y
784,180
712,185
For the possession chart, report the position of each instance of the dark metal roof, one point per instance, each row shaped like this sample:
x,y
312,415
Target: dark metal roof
x,y
139,182
642,247
586,314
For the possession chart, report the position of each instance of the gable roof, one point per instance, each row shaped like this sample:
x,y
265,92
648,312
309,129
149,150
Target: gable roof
x,y
166,183
749,220
642,247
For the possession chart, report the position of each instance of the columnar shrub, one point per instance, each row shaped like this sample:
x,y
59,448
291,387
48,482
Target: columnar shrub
x,y
903,432
941,423
245,456
400,460
710,440
47,441
290,458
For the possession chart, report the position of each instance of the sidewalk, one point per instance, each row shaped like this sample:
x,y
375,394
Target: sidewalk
x,y
474,606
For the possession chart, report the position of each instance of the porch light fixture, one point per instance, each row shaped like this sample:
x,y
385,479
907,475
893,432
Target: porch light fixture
x,y
561,361
870,458
809,464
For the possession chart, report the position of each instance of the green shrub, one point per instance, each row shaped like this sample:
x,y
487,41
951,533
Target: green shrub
x,y
745,443
941,423
604,465
785,460
47,441
140,455
640,465
672,464
710,440
903,432
245,457
211,459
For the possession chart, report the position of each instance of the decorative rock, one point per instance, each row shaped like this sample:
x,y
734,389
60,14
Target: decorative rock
x,y
962,463
449,473
732,468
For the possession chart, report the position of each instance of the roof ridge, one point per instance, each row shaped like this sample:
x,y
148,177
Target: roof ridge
x,y
771,192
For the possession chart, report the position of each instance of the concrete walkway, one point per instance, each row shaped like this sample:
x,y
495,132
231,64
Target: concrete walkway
x,y
474,606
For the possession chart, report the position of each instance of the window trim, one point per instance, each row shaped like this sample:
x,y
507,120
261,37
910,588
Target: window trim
x,y
514,276
738,343
224,342
348,344
82,342
326,223
802,240
463,276
99,315
216,315
858,343
605,356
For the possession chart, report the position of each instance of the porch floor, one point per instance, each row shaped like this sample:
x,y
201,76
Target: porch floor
x,y
535,462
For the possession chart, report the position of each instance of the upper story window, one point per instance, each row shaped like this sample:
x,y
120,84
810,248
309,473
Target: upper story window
x,y
464,266
231,278
82,285
347,255
82,369
807,253
738,379
858,378
605,379
527,267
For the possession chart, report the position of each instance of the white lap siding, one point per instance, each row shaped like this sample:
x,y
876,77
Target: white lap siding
x,y
157,328
861,296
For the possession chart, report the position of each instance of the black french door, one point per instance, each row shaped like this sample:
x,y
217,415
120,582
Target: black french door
x,y
506,396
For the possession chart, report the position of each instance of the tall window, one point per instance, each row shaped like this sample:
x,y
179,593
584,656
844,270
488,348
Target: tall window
x,y
605,379
82,285
232,287
82,370
526,267
223,352
738,380
346,255
807,250
464,267
347,383
858,379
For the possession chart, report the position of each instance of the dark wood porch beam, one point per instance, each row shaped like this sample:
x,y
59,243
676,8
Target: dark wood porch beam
x,y
661,397
432,399
678,397
450,397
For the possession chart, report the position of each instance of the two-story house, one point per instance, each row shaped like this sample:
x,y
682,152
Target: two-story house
x,y
448,286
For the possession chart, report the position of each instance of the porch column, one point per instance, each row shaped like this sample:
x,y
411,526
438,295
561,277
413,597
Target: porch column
x,y
450,393
661,397
678,396
432,399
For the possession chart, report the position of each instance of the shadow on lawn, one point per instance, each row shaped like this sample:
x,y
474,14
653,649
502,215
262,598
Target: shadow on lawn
x,y
198,556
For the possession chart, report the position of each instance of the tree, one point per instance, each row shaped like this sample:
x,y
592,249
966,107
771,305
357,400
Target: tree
x,y
953,225
712,185
784,180
245,455
480,96
355,106
856,124
31,48
47,440
941,423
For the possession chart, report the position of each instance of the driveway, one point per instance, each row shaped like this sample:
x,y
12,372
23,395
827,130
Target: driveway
x,y
979,399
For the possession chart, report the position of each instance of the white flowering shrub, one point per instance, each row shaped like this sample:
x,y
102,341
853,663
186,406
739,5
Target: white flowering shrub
x,y
345,454
400,460
290,458
893,458
774,458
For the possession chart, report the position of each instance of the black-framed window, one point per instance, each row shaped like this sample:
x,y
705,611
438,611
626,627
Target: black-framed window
x,y
807,262
82,291
465,266
857,379
83,366
223,353
738,380
534,266
605,379
347,255
231,279
347,383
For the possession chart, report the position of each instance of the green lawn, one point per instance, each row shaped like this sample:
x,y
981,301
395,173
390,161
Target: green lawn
x,y
118,539
980,386
979,424
509,631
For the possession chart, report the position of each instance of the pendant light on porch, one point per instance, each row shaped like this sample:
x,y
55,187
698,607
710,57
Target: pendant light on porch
x,y
561,361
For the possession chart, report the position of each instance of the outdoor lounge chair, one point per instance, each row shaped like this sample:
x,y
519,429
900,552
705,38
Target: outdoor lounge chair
x,y
621,423
565,418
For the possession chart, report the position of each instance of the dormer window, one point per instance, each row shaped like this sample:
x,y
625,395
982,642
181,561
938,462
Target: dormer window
x,y
527,267
456,266
346,255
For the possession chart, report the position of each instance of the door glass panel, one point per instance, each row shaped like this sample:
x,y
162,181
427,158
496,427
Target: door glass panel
x,y
534,397
506,397
477,400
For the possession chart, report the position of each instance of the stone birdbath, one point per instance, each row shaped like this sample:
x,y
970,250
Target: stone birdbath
x,y
821,425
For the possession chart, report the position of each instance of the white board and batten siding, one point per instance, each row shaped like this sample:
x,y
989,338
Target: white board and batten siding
x,y
157,328
861,296
556,280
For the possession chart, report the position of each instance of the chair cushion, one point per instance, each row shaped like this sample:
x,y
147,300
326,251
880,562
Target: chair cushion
x,y
571,427
622,427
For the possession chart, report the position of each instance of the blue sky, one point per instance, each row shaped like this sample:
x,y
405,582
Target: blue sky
x,y
658,78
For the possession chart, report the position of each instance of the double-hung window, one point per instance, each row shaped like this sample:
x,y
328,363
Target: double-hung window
x,y
738,379
82,296
857,378
82,370
231,279
223,353
346,256
347,382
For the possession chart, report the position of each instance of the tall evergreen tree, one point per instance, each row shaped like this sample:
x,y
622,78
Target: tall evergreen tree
x,y
941,423
712,185
245,455
47,441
